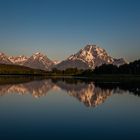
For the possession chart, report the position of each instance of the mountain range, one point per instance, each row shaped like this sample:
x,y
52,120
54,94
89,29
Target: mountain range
x,y
89,57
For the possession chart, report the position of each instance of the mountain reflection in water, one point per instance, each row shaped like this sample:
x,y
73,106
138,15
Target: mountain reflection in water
x,y
90,93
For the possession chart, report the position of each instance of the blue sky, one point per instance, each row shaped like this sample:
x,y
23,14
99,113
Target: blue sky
x,y
59,28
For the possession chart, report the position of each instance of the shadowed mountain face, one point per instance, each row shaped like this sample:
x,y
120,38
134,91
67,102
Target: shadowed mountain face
x,y
89,93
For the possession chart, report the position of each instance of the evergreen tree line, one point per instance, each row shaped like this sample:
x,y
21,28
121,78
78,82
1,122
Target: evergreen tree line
x,y
131,68
69,71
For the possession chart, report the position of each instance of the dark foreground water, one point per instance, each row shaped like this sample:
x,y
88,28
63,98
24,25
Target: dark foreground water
x,y
69,109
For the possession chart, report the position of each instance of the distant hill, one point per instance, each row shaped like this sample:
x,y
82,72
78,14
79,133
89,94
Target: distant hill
x,y
16,69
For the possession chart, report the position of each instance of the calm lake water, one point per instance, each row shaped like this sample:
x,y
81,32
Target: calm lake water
x,y
69,108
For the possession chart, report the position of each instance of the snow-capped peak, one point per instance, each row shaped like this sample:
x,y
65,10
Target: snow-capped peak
x,y
88,58
93,55
39,61
4,59
18,59
2,54
56,62
88,53
38,55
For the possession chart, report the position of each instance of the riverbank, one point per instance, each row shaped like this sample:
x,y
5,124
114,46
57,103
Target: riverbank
x,y
7,79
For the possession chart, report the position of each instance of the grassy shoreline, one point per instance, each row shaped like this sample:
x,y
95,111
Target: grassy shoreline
x,y
95,78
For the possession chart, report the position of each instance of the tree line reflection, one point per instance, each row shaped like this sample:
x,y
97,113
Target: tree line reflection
x,y
86,91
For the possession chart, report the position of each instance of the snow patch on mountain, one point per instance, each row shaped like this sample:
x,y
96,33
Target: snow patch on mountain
x,y
39,61
4,59
20,60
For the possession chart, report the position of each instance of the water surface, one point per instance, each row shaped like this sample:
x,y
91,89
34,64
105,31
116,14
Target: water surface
x,y
69,108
